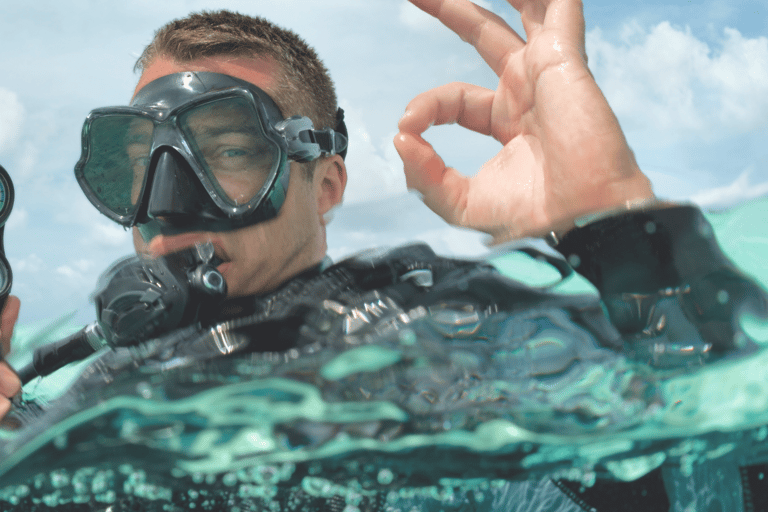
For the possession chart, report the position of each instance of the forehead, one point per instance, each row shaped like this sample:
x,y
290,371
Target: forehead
x,y
261,72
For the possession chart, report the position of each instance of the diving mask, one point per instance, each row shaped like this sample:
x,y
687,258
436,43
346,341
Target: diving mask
x,y
196,151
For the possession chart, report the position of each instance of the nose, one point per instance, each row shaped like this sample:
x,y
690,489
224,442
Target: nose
x,y
175,194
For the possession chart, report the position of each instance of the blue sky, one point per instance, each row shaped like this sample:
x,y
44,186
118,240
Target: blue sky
x,y
688,80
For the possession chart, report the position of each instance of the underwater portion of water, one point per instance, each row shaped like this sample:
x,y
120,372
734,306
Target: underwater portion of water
x,y
442,409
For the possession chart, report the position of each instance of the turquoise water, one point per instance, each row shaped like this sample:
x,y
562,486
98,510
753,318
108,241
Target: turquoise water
x,y
398,416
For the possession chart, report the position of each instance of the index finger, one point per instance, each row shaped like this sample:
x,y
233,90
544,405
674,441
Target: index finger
x,y
493,39
467,104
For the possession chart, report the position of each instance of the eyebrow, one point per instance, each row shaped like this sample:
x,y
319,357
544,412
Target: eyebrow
x,y
211,131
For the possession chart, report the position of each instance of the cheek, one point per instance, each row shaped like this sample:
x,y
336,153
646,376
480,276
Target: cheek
x,y
238,189
138,242
136,188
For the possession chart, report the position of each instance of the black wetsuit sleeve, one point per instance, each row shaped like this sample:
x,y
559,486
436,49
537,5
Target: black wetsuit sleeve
x,y
638,258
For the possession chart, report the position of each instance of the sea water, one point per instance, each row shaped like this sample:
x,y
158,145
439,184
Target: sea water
x,y
399,418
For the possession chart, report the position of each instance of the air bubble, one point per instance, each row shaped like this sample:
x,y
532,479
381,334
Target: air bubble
x,y
287,470
407,337
385,477
60,441
267,475
106,497
144,390
316,486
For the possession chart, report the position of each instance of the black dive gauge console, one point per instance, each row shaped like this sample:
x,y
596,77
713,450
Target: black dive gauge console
x,y
6,203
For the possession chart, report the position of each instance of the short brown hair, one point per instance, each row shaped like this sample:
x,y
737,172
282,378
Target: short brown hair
x,y
305,88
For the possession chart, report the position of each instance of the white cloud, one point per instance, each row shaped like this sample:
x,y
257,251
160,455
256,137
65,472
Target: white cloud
x,y
667,81
741,72
26,163
373,173
18,219
395,221
456,242
78,270
32,264
108,235
11,119
741,189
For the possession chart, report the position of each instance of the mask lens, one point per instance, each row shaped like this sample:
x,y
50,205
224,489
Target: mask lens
x,y
117,161
227,137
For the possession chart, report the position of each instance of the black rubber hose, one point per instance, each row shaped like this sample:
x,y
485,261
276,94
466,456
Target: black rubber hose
x,y
51,357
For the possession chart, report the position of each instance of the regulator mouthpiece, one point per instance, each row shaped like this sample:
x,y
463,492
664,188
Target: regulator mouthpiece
x,y
139,298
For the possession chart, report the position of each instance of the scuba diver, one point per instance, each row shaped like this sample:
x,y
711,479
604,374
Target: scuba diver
x,y
233,138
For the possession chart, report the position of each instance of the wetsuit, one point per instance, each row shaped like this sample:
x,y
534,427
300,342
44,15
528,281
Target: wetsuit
x,y
672,299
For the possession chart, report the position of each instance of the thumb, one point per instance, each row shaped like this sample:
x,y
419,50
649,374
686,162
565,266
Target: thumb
x,y
7,323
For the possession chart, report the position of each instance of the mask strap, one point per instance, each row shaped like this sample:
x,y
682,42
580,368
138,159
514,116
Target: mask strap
x,y
341,128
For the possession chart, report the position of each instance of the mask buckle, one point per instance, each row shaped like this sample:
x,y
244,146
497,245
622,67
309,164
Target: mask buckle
x,y
305,143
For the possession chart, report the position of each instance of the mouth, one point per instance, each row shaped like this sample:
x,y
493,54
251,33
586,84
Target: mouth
x,y
217,260
162,245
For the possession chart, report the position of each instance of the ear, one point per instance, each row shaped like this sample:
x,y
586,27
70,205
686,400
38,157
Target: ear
x,y
330,180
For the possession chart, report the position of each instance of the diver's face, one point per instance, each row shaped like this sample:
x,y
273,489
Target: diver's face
x,y
260,257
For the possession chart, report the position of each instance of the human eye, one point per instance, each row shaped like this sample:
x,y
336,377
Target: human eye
x,y
229,158
234,153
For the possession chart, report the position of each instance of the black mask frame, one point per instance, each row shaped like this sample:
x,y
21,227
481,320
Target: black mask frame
x,y
178,195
